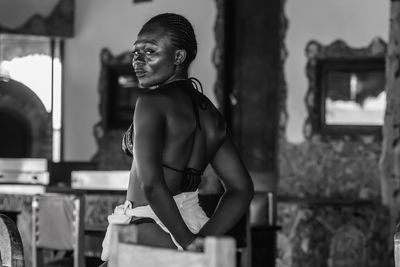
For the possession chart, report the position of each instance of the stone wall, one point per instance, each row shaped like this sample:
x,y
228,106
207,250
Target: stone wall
x,y
329,205
341,169
332,234
329,192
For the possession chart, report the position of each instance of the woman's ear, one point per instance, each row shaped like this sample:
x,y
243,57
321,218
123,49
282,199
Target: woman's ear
x,y
180,56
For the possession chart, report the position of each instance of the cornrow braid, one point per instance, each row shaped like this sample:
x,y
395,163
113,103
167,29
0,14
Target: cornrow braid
x,y
180,30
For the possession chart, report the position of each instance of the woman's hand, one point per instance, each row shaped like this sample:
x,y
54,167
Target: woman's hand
x,y
197,244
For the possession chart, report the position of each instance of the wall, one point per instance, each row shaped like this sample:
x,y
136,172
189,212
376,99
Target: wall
x,y
329,189
357,22
114,24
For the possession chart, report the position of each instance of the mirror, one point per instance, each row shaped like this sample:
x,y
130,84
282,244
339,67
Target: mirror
x,y
118,91
346,93
123,91
38,17
30,96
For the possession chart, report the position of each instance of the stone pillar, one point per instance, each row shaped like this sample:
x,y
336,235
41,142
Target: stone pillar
x,y
390,158
255,82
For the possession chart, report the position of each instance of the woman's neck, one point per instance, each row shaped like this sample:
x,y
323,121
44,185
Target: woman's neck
x,y
174,78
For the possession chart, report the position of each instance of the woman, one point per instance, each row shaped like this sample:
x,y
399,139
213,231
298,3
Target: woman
x,y
176,133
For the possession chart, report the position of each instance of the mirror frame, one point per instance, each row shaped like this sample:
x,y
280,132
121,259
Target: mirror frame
x,y
321,58
59,23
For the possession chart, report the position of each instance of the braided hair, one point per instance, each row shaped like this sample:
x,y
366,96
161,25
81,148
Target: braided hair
x,y
180,31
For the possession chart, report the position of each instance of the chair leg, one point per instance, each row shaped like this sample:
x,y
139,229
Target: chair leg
x,y
37,257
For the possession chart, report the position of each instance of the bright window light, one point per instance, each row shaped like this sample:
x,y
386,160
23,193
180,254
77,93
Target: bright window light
x,y
35,61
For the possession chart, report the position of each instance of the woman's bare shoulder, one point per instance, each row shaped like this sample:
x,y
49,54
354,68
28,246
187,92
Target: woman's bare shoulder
x,y
151,99
215,122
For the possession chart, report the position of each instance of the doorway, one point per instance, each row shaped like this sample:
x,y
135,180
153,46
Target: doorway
x,y
15,135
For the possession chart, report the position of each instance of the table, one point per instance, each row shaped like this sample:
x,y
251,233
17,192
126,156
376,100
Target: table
x,y
16,201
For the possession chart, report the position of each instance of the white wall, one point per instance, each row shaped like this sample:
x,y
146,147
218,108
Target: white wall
x,y
356,22
114,25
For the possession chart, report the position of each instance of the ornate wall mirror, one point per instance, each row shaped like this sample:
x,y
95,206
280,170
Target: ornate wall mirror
x,y
119,90
45,18
346,94
30,96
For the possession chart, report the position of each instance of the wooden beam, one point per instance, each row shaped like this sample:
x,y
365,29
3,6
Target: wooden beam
x,y
390,158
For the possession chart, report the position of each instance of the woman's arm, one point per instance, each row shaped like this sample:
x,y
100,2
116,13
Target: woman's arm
x,y
131,185
149,138
239,189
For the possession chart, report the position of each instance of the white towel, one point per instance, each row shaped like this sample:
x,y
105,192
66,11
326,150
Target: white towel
x,y
187,203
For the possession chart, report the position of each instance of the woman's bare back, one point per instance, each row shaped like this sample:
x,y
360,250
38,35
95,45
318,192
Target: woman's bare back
x,y
190,140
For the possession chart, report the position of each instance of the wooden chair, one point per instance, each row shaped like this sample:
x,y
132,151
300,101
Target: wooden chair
x,y
397,246
57,221
124,252
11,248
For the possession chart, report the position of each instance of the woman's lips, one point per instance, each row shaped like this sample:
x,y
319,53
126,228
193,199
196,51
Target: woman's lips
x,y
140,73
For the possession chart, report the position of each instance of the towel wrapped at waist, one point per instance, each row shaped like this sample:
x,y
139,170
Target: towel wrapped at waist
x,y
187,203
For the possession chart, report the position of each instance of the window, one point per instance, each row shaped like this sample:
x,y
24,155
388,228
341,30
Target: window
x,y
36,61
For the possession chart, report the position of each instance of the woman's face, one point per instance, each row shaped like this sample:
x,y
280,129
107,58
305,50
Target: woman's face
x,y
153,57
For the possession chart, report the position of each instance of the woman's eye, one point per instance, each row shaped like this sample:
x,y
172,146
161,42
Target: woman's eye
x,y
149,51
135,53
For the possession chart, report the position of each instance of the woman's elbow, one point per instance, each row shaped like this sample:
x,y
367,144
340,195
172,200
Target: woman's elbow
x,y
250,192
246,191
148,189
249,189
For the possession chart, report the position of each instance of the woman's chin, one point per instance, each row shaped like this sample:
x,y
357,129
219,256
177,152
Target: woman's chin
x,y
142,86
143,83
146,84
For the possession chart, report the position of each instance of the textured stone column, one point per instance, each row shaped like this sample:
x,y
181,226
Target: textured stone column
x,y
390,157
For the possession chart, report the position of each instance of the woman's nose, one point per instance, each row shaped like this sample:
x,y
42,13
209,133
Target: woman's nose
x,y
138,56
137,60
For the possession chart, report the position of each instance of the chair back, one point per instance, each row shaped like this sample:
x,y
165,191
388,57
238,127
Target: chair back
x,y
218,252
397,246
58,225
11,248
